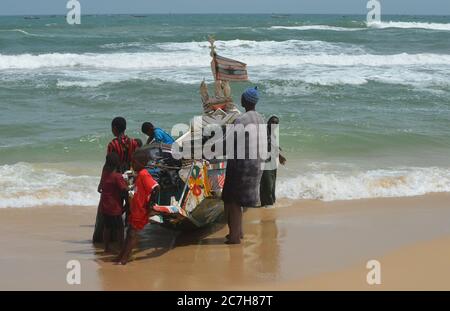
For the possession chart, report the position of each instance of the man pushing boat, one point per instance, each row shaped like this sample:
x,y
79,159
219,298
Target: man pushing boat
x,y
243,176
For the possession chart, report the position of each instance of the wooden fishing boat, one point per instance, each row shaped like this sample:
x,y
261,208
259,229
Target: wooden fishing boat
x,y
191,189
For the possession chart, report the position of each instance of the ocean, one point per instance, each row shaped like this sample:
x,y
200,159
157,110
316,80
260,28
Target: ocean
x,y
364,109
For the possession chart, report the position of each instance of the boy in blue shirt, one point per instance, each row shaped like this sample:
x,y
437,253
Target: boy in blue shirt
x,y
156,134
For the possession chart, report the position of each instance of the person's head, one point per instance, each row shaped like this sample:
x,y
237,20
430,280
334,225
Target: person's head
x,y
273,120
118,126
140,159
250,98
112,162
138,142
272,123
148,129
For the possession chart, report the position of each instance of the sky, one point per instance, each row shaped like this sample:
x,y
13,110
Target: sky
x,y
412,7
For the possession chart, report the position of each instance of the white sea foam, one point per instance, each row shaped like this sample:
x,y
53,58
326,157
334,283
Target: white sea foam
x,y
331,186
179,60
311,62
177,55
265,46
26,185
371,60
19,31
29,185
241,47
99,61
410,25
291,84
122,45
379,25
317,27
89,83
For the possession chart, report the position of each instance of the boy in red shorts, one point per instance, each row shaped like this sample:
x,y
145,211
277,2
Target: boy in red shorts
x,y
145,194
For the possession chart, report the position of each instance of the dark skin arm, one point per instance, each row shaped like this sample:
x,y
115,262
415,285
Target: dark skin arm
x,y
151,136
282,159
99,188
116,133
125,200
153,201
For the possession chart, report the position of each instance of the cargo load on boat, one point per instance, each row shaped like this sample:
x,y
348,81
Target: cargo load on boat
x,y
191,188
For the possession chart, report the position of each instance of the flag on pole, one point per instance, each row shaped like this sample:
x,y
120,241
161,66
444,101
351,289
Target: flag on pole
x,y
227,69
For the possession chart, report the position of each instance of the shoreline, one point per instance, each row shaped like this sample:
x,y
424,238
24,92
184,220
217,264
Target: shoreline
x,y
43,184
299,245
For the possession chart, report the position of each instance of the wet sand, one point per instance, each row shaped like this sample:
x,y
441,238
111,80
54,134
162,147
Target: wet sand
x,y
301,245
422,266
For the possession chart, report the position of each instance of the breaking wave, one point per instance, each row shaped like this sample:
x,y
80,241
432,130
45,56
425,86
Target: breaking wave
x,y
312,62
166,60
317,27
380,183
410,25
30,185
378,25
20,31
27,185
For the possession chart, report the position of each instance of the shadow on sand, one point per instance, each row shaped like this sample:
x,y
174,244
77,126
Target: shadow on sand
x,y
160,240
156,240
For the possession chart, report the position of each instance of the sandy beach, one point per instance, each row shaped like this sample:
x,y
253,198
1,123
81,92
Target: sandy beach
x,y
299,245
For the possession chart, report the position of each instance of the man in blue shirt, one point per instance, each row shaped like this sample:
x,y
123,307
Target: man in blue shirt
x,y
156,134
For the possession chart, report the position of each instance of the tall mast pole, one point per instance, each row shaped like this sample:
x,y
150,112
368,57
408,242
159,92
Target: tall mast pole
x,y
211,41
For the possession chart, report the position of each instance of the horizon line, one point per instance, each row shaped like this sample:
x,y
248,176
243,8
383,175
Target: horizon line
x,y
215,13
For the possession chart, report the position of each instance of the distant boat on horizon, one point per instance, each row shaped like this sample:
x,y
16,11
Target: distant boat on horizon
x,y
31,17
